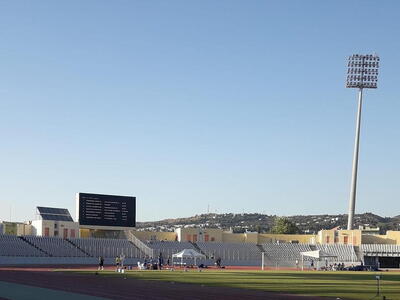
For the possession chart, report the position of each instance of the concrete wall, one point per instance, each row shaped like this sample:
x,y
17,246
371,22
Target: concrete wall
x,y
394,236
16,228
159,236
199,235
287,238
376,239
350,237
228,237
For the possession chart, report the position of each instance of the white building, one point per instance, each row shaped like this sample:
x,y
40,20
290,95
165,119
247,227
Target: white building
x,y
55,222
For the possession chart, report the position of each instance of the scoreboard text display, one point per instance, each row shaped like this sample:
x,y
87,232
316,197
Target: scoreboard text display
x,y
106,210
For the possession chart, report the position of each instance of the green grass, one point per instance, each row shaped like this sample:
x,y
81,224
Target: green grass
x,y
345,285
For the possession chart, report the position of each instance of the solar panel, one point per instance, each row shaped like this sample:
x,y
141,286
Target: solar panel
x,y
56,218
51,210
54,214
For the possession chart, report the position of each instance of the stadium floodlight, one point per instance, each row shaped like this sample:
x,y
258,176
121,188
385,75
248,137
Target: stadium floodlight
x,y
362,73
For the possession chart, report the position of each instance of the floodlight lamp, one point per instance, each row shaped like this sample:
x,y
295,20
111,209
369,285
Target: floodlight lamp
x,y
362,65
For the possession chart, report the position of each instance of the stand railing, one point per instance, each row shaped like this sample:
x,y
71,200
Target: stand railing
x,y
140,245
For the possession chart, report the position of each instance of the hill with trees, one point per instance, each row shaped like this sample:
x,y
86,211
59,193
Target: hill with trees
x,y
265,223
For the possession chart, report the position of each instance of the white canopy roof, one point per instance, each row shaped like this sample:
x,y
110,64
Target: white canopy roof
x,y
188,253
317,254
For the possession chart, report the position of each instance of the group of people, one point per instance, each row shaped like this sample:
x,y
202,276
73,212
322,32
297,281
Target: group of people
x,y
148,263
335,267
119,262
327,267
153,264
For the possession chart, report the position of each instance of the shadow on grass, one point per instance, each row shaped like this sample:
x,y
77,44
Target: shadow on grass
x,y
351,285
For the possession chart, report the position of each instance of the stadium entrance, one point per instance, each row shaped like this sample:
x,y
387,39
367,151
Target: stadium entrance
x,y
382,261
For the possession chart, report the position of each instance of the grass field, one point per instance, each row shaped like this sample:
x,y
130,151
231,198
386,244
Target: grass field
x,y
344,285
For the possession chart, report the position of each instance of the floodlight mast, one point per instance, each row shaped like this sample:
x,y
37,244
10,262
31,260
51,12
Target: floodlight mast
x,y
362,73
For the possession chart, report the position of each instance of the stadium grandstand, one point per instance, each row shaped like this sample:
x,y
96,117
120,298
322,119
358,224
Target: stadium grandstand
x,y
54,237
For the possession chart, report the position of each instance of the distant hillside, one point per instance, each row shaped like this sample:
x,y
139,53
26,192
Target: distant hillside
x,y
263,223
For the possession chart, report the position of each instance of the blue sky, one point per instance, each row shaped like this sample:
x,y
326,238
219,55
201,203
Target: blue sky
x,y
239,105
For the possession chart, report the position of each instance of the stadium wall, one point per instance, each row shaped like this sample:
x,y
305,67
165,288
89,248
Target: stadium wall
x,y
16,228
228,237
393,235
152,235
376,239
333,236
351,237
199,235
287,238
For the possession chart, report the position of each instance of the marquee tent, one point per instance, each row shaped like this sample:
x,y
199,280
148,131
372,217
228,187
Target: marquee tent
x,y
188,253
317,254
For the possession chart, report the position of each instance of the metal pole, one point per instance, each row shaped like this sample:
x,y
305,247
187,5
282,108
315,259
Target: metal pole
x,y
353,191
262,260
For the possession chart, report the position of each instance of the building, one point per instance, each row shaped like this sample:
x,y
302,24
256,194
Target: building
x,y
16,228
55,222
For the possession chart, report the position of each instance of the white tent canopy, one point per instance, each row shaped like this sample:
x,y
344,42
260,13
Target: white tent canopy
x,y
318,254
188,253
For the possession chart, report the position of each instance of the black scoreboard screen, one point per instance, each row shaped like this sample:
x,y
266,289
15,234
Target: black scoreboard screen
x,y
106,210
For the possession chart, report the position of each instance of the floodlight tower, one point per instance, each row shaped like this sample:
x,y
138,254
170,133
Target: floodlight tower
x,y
362,73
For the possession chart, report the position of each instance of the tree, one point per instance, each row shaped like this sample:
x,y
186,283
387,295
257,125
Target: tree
x,y
284,226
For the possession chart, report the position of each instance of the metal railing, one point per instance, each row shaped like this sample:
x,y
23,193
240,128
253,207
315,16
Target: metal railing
x,y
139,244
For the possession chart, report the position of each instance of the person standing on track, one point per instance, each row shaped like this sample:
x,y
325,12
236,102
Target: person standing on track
x,y
117,262
121,260
101,263
160,261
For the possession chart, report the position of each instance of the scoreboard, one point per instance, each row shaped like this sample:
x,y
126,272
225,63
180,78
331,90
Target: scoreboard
x,y
106,210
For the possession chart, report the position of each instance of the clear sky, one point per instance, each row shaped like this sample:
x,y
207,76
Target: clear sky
x,y
239,105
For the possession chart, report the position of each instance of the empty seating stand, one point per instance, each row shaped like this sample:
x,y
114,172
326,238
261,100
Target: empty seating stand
x,y
96,247
11,245
230,251
285,252
343,253
381,250
55,246
167,248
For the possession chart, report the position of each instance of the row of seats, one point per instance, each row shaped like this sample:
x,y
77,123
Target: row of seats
x,y
11,245
168,248
55,246
230,251
285,251
58,247
343,253
374,249
96,247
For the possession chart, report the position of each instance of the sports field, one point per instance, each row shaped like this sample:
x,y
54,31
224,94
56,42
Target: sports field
x,y
87,283
343,285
